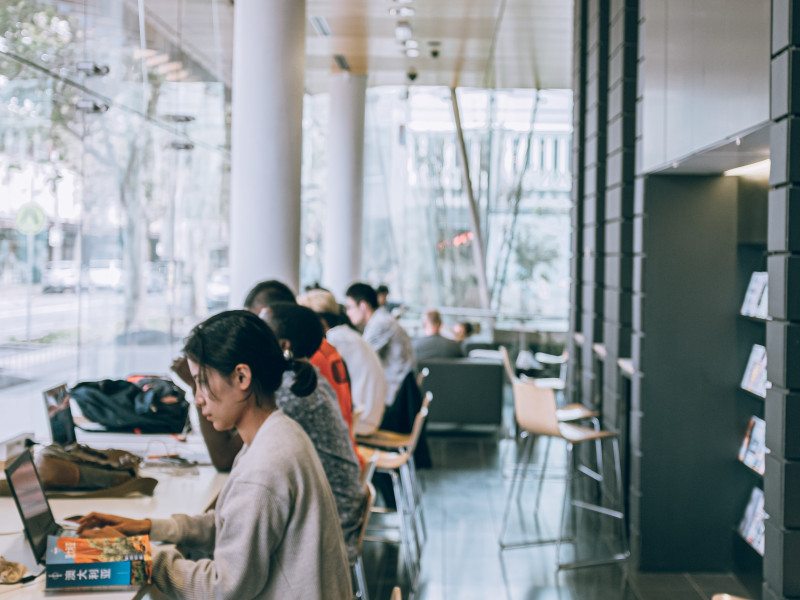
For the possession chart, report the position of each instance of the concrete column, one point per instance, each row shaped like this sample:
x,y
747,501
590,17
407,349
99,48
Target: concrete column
x,y
266,140
344,208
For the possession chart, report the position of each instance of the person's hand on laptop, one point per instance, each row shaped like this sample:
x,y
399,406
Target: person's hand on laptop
x,y
99,525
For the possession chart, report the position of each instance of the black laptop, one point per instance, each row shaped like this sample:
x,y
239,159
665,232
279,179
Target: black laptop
x,y
59,416
33,507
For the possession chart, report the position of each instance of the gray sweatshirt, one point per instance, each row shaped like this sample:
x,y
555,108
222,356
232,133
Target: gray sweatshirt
x,y
274,534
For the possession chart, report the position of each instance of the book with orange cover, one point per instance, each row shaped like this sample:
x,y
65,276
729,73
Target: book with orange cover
x,y
98,562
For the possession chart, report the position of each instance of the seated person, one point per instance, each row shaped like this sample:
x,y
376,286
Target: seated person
x,y
273,533
434,345
326,358
367,380
299,332
384,334
462,330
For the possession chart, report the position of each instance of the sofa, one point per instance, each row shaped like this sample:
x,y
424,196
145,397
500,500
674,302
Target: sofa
x,y
466,391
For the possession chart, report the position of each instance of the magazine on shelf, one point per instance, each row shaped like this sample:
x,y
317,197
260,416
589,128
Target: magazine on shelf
x,y
755,373
92,563
755,298
753,447
752,526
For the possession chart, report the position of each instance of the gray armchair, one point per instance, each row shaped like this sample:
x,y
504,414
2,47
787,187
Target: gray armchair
x,y
467,391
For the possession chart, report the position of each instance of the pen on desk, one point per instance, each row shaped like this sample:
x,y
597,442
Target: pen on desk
x,y
157,456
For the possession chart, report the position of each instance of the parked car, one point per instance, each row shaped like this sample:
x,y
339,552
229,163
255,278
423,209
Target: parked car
x,y
61,276
106,274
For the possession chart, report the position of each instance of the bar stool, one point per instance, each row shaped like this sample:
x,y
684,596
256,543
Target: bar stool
x,y
570,413
536,412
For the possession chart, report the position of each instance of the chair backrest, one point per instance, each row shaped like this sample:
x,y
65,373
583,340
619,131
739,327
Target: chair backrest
x,y
397,594
510,370
355,417
368,470
424,372
535,408
368,501
419,421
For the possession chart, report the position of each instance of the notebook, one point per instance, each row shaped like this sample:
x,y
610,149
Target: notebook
x,y
34,509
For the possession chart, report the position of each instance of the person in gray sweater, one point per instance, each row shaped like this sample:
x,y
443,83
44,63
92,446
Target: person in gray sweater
x,y
274,533
300,332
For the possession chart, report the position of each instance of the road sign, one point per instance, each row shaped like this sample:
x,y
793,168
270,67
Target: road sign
x,y
30,219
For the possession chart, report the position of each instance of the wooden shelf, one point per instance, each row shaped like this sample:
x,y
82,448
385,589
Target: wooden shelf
x,y
753,394
752,470
754,319
600,351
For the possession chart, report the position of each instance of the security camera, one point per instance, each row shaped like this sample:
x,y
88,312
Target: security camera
x,y
412,74
434,53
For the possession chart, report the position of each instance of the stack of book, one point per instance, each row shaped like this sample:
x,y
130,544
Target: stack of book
x,y
92,563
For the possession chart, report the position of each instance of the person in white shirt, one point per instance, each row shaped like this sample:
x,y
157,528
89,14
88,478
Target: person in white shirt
x,y
367,381
384,334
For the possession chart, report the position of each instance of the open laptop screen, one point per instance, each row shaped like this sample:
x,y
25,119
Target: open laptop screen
x,y
62,427
34,510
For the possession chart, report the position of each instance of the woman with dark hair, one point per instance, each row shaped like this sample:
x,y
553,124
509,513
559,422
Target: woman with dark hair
x,y
273,533
299,332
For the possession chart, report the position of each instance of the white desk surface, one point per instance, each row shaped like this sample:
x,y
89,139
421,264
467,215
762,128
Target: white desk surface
x,y
185,490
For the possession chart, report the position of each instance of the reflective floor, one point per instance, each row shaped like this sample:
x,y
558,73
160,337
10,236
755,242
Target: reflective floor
x,y
464,499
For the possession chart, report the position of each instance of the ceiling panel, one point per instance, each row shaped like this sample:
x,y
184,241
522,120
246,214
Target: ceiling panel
x,y
480,43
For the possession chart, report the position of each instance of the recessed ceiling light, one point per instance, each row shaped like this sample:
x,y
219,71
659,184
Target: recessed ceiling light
x,y
402,31
412,44
754,169
402,11
412,53
321,26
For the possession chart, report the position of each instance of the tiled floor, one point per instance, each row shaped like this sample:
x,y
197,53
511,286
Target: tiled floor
x,y
464,499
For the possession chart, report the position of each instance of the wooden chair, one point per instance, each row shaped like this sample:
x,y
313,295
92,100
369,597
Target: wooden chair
x,y
570,413
398,464
399,442
368,470
358,568
537,415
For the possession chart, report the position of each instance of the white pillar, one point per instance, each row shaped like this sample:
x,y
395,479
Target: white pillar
x,y
344,208
266,143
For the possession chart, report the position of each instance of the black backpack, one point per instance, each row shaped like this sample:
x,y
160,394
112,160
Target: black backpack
x,y
151,405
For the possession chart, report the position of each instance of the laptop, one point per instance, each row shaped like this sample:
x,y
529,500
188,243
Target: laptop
x,y
59,414
34,510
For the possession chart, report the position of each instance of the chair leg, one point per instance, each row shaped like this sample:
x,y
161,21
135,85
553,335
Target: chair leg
x,y
542,474
361,581
416,486
566,504
626,550
524,461
402,512
618,512
517,480
405,483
